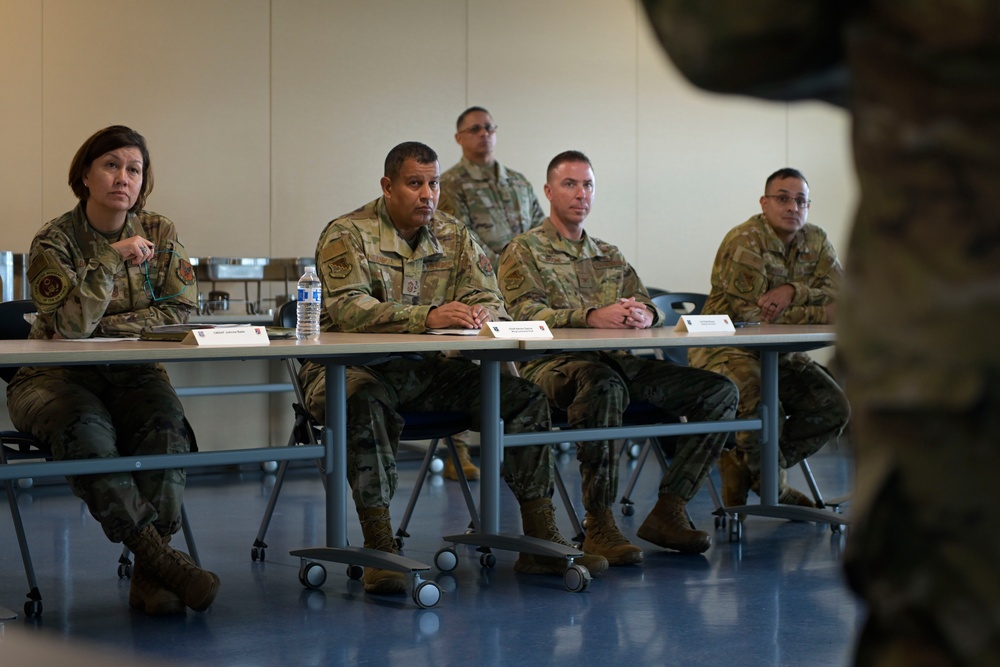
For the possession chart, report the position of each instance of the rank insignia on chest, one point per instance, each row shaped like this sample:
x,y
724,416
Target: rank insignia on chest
x,y
185,272
339,268
485,265
513,280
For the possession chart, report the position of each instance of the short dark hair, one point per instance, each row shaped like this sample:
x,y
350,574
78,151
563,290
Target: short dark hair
x,y
422,153
786,172
461,116
566,156
104,141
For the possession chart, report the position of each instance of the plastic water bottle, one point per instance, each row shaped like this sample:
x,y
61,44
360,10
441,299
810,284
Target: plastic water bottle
x,y
310,301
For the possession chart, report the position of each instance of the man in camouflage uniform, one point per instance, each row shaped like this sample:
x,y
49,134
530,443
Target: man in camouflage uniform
x,y
777,268
921,307
108,268
559,274
496,203
397,265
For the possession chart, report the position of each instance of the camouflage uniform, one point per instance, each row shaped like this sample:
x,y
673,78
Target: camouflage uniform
x,y
495,202
82,288
374,282
751,261
546,277
921,308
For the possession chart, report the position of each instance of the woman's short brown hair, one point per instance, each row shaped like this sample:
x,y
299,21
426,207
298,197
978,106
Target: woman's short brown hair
x,y
105,141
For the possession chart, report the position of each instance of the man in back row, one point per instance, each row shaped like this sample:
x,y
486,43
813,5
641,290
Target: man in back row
x,y
776,268
559,274
495,203
397,265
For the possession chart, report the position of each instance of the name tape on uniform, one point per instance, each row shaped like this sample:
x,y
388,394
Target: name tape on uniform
x,y
222,336
705,324
529,329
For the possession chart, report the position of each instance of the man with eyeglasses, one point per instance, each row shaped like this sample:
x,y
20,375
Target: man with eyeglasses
x,y
496,204
777,268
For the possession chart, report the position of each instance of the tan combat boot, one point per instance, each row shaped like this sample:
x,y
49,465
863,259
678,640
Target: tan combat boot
x,y
787,495
377,529
736,478
668,526
605,539
468,467
539,520
196,587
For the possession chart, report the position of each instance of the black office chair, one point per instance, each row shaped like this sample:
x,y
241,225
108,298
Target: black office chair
x,y
418,426
17,445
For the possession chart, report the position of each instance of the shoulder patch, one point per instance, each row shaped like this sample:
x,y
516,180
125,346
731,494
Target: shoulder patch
x,y
185,272
485,265
335,249
513,280
743,282
339,268
49,287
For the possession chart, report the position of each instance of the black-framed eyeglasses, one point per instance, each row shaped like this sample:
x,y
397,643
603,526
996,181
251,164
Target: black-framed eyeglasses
x,y
147,285
476,129
785,200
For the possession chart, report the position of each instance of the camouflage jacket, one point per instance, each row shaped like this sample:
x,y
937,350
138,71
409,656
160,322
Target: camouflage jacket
x,y
752,260
82,286
496,209
546,277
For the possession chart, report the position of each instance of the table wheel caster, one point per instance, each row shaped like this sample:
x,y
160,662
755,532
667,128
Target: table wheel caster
x,y
355,572
426,594
312,575
487,560
446,559
576,578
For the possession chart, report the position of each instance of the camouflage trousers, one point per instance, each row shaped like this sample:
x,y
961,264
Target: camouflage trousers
x,y
812,408
594,388
925,543
376,395
87,412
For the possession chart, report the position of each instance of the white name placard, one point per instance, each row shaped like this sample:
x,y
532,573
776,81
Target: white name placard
x,y
529,329
248,335
705,324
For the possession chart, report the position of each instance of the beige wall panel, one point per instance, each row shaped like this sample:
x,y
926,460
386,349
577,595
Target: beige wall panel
x,y
350,81
559,76
190,75
21,129
703,159
819,143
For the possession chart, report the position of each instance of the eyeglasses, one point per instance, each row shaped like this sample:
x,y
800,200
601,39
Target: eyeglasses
x,y
147,286
476,129
785,200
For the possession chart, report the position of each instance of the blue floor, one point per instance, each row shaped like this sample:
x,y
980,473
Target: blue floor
x,y
775,598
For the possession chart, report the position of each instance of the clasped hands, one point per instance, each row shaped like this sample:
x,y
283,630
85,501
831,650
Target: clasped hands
x,y
457,315
623,314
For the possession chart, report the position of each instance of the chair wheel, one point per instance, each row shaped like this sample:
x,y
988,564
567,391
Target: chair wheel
x,y
124,570
355,572
735,529
426,594
399,542
488,560
576,578
257,553
446,559
312,575
838,528
628,509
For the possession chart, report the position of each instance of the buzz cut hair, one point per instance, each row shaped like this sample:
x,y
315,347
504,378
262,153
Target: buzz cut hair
x,y
408,150
566,156
461,116
783,173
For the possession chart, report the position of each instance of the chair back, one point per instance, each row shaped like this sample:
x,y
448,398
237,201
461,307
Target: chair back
x,y
674,305
286,315
13,326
